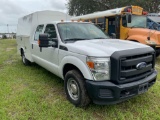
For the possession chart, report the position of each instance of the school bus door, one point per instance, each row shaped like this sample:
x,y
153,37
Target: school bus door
x,y
113,26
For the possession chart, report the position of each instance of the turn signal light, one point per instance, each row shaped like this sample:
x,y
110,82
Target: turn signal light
x,y
90,64
38,42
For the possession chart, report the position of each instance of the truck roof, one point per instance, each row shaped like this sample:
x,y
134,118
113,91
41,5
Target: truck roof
x,y
56,22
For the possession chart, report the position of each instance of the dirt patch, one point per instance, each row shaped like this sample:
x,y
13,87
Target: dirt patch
x,y
50,97
8,62
9,49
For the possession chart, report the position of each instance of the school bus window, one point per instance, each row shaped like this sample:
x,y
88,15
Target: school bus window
x,y
101,23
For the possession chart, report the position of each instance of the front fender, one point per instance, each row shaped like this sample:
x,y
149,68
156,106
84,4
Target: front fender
x,y
78,63
138,38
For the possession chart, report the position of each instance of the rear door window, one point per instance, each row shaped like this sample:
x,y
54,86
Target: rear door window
x,y
38,31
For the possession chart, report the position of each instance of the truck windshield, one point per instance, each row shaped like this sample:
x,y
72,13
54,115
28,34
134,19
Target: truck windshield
x,y
138,21
80,31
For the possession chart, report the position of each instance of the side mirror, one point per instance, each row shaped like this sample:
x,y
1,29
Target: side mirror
x,y
129,18
43,40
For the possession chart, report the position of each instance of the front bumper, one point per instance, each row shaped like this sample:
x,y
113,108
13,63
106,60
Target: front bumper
x,y
106,92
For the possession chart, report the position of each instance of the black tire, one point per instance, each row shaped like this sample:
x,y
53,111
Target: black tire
x,y
75,89
24,60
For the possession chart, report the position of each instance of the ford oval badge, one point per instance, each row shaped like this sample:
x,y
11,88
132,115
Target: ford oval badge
x,y
141,65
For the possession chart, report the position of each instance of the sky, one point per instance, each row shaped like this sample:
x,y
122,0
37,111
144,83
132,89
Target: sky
x,y
11,10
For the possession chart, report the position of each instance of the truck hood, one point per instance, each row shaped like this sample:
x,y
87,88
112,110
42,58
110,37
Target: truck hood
x,y
102,47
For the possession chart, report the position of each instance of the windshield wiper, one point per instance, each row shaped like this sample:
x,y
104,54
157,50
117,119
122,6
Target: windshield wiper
x,y
74,39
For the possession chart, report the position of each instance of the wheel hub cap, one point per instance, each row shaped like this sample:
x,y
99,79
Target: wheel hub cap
x,y
73,89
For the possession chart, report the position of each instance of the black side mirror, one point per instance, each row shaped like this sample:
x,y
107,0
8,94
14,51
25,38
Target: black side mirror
x,y
43,40
129,18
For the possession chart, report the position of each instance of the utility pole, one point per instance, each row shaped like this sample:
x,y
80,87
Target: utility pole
x,y
8,30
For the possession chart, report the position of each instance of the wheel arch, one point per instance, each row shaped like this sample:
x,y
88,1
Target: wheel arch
x,y
70,63
22,50
67,67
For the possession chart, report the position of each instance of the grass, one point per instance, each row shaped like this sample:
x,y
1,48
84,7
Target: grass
x,y
33,93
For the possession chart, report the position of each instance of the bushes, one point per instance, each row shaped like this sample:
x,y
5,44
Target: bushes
x,y
4,36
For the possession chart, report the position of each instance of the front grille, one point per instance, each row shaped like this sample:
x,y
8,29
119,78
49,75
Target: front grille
x,y
123,65
128,70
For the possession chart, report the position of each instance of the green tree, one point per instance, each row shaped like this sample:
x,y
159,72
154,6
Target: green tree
x,y
82,7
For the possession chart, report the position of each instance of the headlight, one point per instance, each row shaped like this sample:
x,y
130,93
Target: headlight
x,y
100,68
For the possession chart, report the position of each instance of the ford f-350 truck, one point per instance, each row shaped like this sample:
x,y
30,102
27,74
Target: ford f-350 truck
x,y
93,66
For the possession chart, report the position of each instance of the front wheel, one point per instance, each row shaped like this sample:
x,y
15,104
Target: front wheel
x,y
75,89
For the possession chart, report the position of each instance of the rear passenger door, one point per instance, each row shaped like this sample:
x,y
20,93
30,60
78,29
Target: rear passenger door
x,y
50,54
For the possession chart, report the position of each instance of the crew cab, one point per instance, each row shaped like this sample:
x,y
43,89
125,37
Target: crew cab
x,y
93,66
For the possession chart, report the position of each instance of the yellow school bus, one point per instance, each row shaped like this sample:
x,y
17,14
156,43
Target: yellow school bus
x,y
127,23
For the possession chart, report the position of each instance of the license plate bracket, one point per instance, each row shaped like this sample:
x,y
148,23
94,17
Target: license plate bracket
x,y
142,88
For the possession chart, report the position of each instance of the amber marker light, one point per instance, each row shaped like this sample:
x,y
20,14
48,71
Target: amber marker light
x,y
38,42
90,64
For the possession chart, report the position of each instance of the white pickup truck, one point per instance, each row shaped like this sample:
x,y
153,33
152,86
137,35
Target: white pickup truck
x,y
93,66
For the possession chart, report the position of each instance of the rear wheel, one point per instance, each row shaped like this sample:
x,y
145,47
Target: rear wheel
x,y
75,89
24,60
